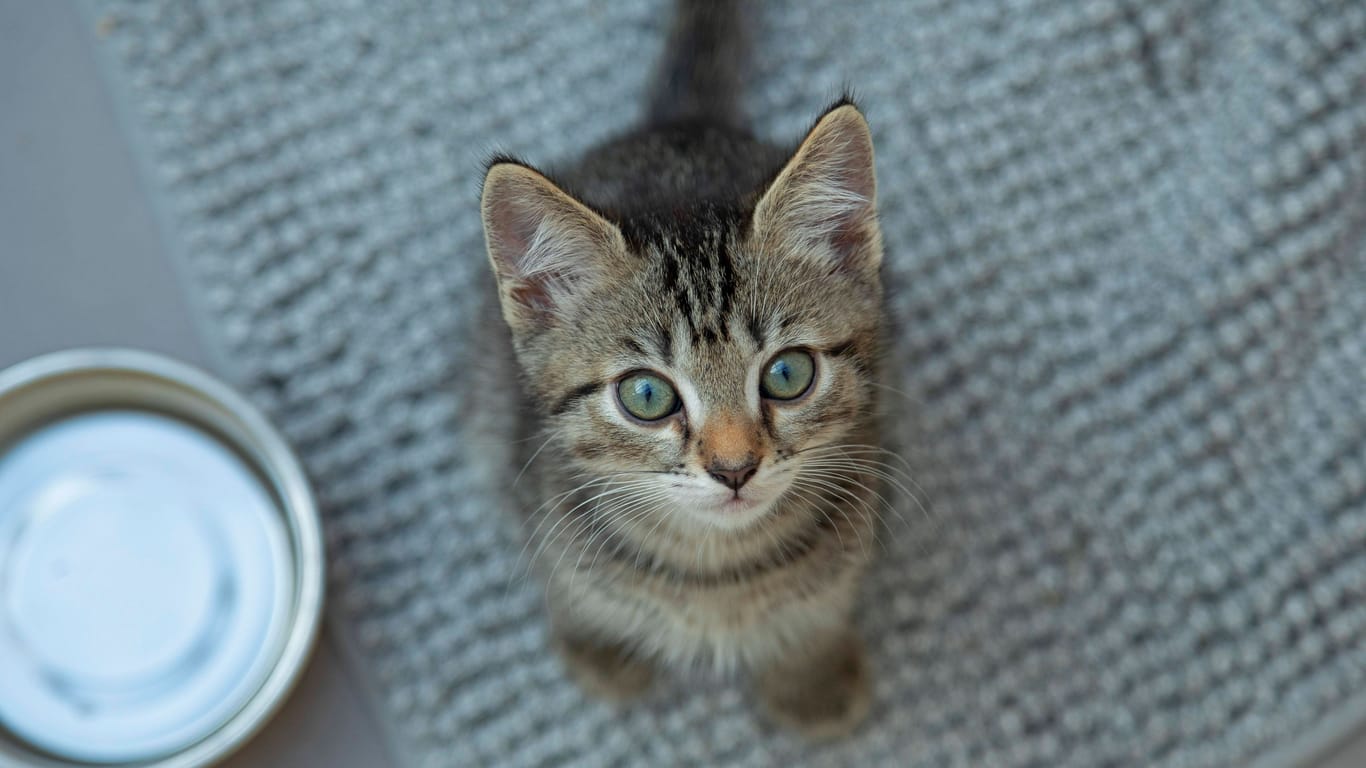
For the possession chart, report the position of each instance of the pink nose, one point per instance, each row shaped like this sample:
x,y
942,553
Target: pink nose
x,y
732,478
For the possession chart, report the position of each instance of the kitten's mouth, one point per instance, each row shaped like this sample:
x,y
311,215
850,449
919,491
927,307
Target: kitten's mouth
x,y
737,503
736,511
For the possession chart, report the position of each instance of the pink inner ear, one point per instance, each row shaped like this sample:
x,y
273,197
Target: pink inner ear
x,y
514,212
511,224
847,239
857,175
826,197
851,231
544,245
532,295
838,207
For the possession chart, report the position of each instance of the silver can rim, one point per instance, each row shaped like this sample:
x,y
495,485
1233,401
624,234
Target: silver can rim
x,y
288,482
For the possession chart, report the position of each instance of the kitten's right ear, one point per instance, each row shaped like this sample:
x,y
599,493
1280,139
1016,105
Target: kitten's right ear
x,y
545,247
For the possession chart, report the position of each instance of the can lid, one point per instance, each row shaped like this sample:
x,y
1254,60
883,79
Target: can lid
x,y
145,586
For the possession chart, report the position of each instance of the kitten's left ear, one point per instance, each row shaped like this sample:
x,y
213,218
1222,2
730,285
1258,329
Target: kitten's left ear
x,y
823,205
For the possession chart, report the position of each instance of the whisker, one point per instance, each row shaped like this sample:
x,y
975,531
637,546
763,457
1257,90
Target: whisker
x,y
845,492
625,513
827,470
811,505
909,397
550,579
885,504
891,508
570,515
882,471
524,566
554,434
597,482
640,546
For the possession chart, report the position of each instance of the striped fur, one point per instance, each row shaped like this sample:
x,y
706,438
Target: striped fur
x,y
696,251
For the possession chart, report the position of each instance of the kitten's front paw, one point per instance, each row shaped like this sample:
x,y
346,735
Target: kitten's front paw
x,y
823,697
606,671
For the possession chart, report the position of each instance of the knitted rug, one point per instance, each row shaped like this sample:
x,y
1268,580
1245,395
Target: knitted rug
x,y
1127,268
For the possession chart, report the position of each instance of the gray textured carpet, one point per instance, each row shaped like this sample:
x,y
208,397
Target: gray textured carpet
x,y
1128,272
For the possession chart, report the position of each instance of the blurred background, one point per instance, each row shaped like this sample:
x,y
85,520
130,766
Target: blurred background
x,y
88,256
84,262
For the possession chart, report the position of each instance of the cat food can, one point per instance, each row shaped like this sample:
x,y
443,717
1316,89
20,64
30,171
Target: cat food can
x,y
161,567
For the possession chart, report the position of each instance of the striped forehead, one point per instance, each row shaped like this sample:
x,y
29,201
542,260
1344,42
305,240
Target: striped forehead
x,y
692,255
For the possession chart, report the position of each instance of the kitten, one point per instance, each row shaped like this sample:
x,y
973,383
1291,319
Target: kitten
x,y
697,314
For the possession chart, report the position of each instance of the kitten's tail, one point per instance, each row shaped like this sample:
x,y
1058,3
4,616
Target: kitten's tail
x,y
699,76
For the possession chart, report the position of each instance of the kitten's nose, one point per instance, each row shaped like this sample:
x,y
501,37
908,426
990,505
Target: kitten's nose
x,y
733,478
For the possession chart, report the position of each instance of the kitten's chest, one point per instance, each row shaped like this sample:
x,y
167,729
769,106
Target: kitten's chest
x,y
725,624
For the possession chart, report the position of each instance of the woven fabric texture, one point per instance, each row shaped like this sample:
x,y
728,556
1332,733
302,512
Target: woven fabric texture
x,y
1127,268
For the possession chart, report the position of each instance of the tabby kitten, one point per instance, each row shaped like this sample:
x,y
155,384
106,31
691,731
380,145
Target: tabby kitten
x,y
697,314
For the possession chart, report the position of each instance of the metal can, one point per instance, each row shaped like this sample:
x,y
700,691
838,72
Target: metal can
x,y
161,565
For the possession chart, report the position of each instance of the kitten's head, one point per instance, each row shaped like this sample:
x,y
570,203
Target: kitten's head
x,y
699,353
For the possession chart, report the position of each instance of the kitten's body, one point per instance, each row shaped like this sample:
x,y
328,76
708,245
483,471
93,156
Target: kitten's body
x,y
690,248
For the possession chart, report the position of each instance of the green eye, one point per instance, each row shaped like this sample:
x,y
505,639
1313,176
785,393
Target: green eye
x,y
646,396
788,375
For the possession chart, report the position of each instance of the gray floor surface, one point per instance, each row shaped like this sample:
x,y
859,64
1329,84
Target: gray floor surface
x,y
82,262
